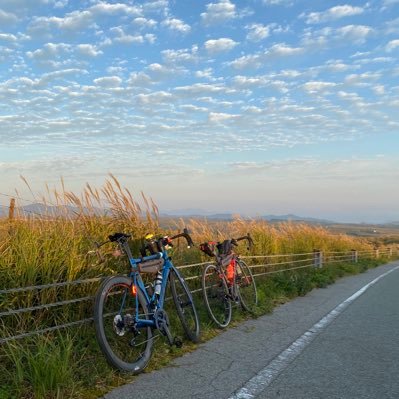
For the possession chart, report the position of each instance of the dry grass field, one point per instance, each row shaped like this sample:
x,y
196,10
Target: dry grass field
x,y
55,247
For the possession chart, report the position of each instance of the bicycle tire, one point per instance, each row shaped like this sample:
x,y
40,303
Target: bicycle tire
x,y
245,286
183,301
119,350
216,296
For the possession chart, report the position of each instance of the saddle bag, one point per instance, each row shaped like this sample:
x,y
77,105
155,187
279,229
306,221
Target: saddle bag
x,y
151,266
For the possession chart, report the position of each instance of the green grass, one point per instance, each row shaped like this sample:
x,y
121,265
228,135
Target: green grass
x,y
71,366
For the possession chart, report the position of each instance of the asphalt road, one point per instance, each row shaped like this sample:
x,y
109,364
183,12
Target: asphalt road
x,y
354,355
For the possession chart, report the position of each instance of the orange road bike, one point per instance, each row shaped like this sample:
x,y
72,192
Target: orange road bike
x,y
229,280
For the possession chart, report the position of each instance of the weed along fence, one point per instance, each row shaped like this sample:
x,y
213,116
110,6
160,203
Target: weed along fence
x,y
62,305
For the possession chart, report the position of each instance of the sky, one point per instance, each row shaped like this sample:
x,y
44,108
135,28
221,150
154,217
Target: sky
x,y
253,107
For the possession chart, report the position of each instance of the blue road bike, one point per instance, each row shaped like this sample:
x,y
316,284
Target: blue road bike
x,y
127,311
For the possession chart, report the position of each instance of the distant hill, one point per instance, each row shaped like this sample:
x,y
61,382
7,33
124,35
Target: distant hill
x,y
39,209
230,216
295,218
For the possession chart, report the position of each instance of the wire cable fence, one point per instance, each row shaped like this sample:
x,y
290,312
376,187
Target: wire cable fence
x,y
261,265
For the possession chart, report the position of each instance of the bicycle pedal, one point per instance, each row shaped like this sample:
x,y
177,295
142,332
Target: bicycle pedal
x,y
177,341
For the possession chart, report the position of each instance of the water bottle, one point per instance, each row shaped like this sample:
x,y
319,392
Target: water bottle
x,y
158,284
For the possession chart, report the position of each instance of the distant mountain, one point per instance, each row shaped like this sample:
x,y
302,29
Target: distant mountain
x,y
199,213
39,209
42,209
295,218
187,212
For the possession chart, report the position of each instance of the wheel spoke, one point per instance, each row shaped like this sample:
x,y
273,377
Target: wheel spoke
x,y
184,306
246,287
125,346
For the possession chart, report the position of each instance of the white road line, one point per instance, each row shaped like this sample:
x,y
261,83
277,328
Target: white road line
x,y
265,377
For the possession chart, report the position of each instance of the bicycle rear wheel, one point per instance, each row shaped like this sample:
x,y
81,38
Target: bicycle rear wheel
x,y
216,296
124,345
184,303
245,286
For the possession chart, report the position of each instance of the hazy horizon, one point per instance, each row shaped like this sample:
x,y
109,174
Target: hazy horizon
x,y
256,107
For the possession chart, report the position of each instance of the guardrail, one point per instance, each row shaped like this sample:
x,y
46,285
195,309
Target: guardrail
x,y
262,265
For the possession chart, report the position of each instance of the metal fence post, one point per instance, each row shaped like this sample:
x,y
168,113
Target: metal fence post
x,y
354,255
317,258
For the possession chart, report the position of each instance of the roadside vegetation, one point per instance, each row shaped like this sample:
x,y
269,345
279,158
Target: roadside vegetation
x,y
56,245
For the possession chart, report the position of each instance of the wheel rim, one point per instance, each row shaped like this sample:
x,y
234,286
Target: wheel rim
x,y
185,306
124,341
216,296
246,286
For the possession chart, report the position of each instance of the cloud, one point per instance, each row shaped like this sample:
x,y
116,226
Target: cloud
x,y
379,90
318,87
159,72
156,6
203,89
354,33
205,73
49,51
256,60
392,45
219,12
108,81
392,26
58,55
253,81
286,3
81,19
75,21
332,170
219,45
326,37
219,117
332,14
49,77
247,61
362,78
8,37
158,97
282,50
258,32
144,22
177,25
388,3
123,38
182,55
139,79
337,66
88,50
7,18
108,9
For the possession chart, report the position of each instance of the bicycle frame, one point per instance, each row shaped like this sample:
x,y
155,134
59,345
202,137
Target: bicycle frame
x,y
139,284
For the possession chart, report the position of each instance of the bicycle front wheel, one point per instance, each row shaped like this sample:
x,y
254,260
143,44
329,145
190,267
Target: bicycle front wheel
x,y
245,286
216,296
125,346
184,303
